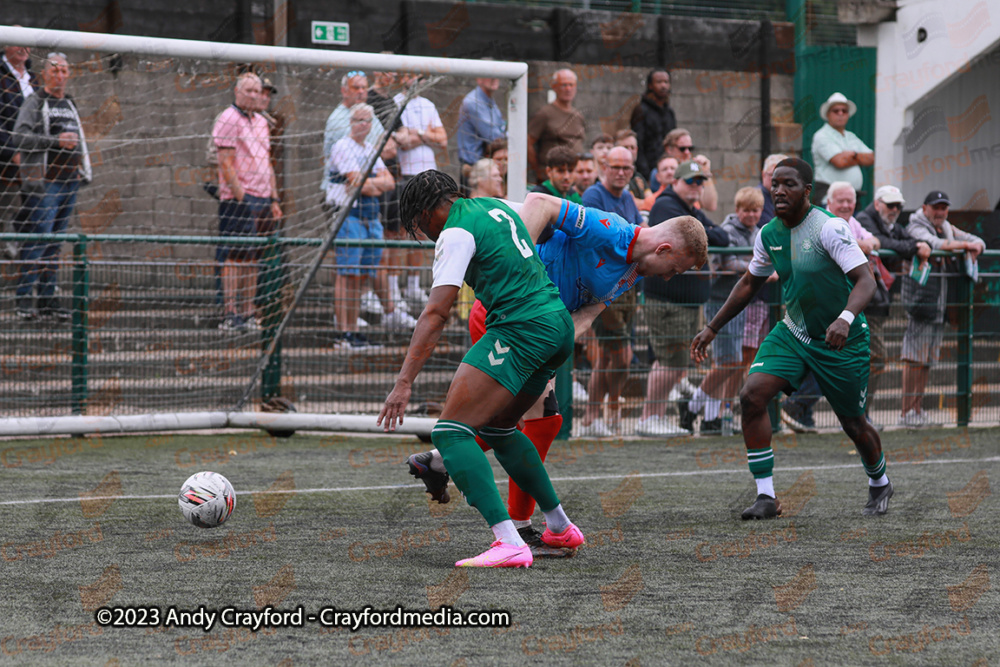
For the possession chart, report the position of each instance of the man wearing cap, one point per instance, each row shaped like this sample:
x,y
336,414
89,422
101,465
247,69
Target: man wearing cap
x,y
879,218
838,153
673,308
922,340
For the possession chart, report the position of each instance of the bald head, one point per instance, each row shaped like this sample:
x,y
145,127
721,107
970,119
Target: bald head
x,y
248,91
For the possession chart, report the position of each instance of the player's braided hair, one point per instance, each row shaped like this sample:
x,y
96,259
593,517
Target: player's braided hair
x,y
424,192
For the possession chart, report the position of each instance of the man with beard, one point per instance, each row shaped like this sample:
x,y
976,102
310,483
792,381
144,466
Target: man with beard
x,y
826,283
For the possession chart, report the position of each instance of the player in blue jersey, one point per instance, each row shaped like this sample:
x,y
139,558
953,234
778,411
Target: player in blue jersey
x,y
593,257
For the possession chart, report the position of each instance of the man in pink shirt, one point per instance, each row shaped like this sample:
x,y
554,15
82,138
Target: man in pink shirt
x,y
247,193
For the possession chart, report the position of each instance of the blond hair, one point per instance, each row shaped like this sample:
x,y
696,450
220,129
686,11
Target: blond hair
x,y
749,198
691,233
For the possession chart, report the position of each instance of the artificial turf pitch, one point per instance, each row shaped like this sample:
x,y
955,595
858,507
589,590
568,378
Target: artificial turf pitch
x,y
670,575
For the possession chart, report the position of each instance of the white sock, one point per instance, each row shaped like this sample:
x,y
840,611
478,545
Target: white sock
x,y
507,533
712,407
522,524
698,400
437,463
556,519
765,486
394,293
881,481
412,283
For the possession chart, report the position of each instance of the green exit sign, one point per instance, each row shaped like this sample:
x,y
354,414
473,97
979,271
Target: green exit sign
x,y
325,32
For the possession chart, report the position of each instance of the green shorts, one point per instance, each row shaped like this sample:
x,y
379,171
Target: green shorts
x,y
842,374
524,357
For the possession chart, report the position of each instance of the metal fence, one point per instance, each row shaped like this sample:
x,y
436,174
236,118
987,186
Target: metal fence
x,y
143,337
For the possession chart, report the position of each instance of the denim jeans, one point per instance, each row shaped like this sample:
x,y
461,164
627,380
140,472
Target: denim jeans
x,y
49,214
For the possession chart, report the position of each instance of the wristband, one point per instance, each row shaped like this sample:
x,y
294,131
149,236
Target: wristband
x,y
712,329
847,316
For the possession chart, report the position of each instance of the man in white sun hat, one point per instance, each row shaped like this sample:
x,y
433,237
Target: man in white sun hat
x,y
838,154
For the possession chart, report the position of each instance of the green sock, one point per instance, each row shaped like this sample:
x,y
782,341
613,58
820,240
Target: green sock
x,y
876,471
761,461
469,468
519,457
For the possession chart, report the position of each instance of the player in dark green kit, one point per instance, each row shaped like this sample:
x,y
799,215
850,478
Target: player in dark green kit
x,y
529,334
825,283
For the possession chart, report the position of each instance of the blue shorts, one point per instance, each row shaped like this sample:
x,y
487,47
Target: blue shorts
x,y
727,348
353,261
239,218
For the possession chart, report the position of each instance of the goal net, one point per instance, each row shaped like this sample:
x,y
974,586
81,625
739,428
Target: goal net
x,y
141,306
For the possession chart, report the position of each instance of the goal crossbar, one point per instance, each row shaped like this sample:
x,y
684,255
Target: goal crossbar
x,y
516,72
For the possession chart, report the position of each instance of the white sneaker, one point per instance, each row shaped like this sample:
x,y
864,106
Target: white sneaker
x,y
659,427
398,319
580,394
596,429
402,305
682,391
370,303
361,323
416,296
914,419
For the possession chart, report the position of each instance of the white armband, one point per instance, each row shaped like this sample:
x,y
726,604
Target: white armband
x,y
847,316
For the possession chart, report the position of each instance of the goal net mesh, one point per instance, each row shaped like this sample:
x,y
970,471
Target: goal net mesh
x,y
129,316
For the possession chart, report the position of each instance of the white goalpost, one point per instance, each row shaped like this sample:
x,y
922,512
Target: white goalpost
x,y
139,265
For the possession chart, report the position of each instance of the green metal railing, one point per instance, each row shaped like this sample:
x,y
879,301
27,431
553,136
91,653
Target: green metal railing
x,y
272,263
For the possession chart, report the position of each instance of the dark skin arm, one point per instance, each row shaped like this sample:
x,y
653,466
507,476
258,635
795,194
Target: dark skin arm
x,y
425,337
743,293
861,294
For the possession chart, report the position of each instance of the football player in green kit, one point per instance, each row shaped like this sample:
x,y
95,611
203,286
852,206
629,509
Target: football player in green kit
x,y
529,334
825,284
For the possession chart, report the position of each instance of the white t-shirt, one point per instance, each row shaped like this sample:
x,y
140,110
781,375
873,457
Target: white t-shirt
x,y
347,156
420,115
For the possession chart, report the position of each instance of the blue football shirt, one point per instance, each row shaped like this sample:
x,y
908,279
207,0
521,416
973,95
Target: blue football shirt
x,y
589,257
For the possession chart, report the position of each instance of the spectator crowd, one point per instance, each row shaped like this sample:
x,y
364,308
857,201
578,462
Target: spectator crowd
x,y
383,133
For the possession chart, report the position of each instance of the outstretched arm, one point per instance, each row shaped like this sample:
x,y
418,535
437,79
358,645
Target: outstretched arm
x,y
425,337
743,292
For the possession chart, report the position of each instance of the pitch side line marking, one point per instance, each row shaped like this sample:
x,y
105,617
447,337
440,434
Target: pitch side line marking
x,y
387,487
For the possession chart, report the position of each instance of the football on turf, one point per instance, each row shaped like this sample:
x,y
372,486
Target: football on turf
x,y
207,499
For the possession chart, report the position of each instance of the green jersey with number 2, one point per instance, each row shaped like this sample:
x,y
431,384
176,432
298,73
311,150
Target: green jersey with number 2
x,y
505,271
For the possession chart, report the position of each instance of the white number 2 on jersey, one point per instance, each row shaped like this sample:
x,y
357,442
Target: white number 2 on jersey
x,y
500,215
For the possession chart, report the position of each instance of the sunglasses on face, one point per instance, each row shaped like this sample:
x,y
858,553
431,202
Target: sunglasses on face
x,y
686,149
895,206
695,181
